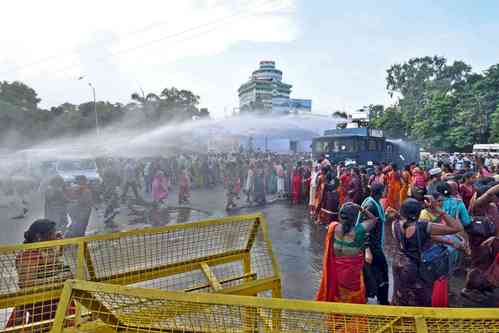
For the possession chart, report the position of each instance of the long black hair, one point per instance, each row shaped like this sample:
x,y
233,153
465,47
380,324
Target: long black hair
x,y
410,210
348,216
40,229
443,188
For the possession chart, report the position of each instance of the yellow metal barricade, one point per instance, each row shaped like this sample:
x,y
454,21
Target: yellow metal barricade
x,y
227,255
117,308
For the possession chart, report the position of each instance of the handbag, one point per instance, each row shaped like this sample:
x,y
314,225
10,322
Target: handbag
x,y
482,226
434,262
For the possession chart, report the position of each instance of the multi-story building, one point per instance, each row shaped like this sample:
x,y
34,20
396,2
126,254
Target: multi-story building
x,y
265,92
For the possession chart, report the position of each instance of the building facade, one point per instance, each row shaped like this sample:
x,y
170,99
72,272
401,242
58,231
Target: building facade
x,y
265,92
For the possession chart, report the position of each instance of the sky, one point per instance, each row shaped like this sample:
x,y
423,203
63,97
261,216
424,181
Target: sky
x,y
334,52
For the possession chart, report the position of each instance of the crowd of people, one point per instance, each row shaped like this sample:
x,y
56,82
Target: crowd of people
x,y
436,205
440,215
248,180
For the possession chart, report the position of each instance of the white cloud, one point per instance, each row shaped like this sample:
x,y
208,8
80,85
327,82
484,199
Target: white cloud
x,y
47,44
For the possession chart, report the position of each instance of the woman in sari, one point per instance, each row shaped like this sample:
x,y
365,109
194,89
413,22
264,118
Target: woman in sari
x,y
250,183
418,178
440,292
412,236
313,189
378,177
342,279
37,267
184,183
330,203
319,192
259,185
406,183
279,169
483,170
483,275
296,184
273,180
466,189
394,185
345,179
160,187
306,182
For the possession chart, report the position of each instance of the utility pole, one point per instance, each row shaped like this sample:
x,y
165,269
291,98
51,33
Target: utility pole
x,y
95,105
95,110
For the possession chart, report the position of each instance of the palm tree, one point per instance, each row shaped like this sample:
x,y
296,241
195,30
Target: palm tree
x,y
148,104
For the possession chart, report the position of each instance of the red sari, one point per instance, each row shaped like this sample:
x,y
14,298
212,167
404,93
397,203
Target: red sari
x,y
345,180
342,279
40,263
296,185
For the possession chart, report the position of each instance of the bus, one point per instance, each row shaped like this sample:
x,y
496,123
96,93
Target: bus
x,y
364,146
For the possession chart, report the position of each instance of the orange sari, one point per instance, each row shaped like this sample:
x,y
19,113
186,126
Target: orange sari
x,y
319,192
394,187
406,184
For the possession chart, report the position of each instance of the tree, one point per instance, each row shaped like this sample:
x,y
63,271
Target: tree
x,y
375,110
149,104
417,81
340,114
389,120
433,131
178,105
494,128
19,94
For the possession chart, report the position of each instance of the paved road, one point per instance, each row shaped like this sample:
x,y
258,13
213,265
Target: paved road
x,y
297,242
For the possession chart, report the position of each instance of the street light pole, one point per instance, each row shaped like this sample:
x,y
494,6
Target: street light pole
x,y
95,105
95,110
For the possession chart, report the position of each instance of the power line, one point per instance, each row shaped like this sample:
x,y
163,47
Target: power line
x,y
142,45
97,43
212,24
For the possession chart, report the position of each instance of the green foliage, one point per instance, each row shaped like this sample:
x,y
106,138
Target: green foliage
x,y
441,105
340,114
390,120
494,128
171,105
18,94
23,123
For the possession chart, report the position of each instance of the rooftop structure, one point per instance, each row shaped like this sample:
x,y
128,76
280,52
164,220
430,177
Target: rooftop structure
x,y
266,93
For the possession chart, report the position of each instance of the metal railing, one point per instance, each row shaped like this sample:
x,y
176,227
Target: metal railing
x,y
124,309
226,255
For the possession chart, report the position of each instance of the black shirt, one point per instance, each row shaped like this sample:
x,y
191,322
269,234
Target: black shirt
x,y
374,237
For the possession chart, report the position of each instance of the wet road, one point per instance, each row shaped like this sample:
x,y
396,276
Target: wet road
x,y
297,242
